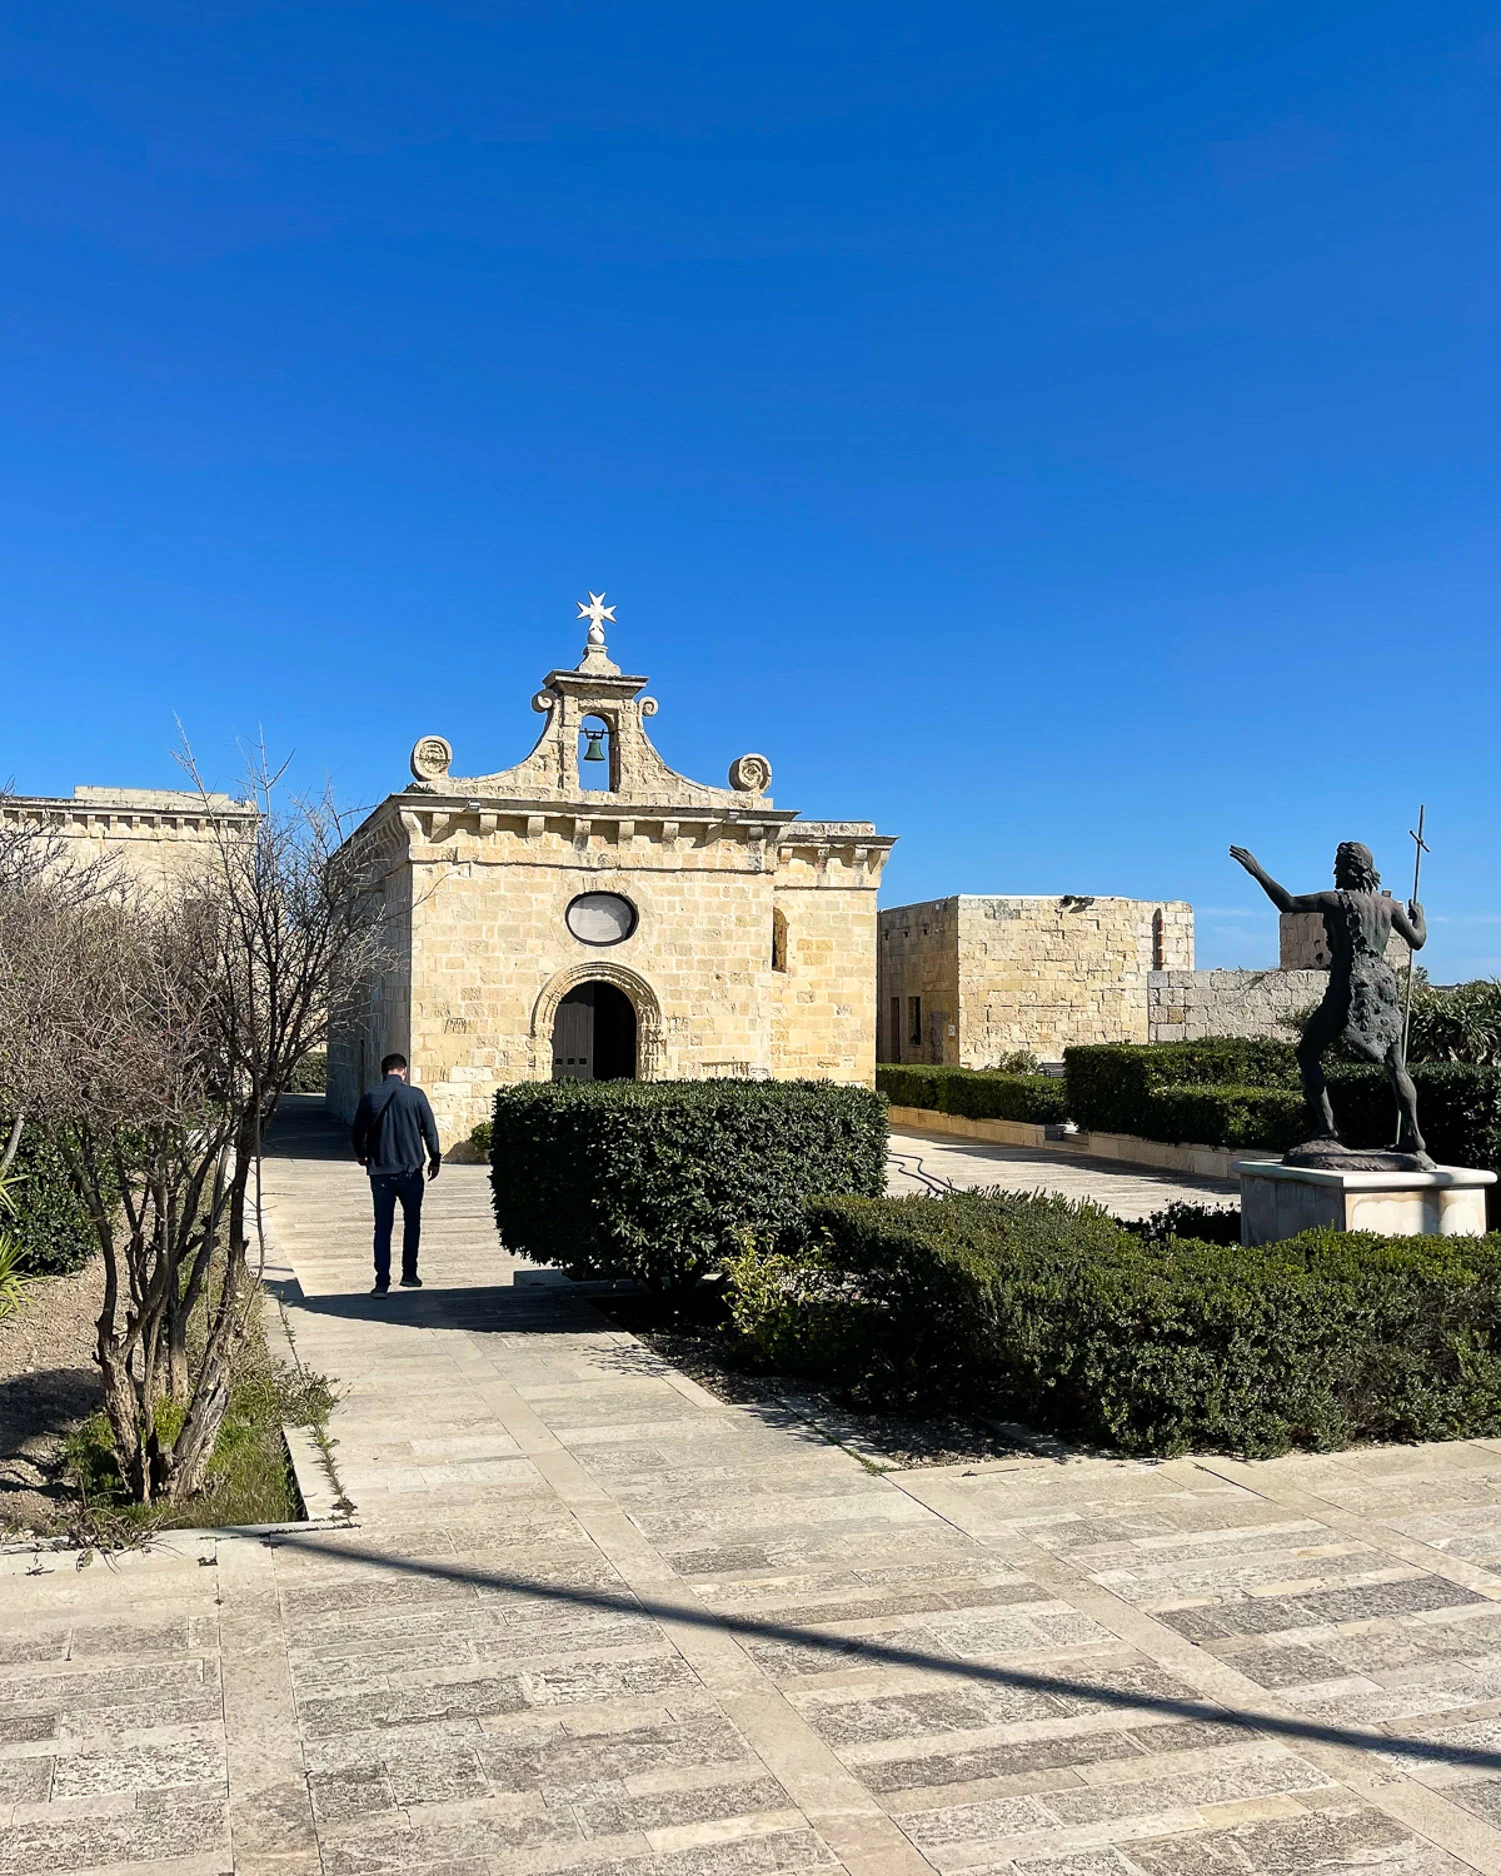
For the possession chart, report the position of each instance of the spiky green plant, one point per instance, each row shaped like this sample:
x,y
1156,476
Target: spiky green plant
x,y
13,1280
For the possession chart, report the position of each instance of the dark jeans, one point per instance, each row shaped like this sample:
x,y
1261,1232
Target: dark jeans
x,y
385,1190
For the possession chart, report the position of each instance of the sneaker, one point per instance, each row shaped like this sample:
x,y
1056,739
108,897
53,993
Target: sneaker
x,y
381,1289
411,1283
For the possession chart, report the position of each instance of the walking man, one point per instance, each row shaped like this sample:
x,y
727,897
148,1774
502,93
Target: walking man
x,y
391,1130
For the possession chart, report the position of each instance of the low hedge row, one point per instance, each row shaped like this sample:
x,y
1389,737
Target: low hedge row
x,y
1459,1109
1053,1314
660,1180
979,1093
1210,1115
1235,1092
1111,1085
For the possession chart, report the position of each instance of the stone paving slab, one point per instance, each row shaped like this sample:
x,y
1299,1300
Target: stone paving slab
x,y
592,1620
1128,1191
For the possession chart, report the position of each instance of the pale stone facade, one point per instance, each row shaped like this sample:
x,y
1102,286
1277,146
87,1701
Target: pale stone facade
x,y
1187,1006
969,979
752,934
1303,944
153,835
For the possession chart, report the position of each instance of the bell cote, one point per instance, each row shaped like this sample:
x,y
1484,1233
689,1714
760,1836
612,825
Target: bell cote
x,y
594,713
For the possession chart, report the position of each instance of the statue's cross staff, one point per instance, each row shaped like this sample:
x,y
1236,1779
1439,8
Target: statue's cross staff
x,y
1420,847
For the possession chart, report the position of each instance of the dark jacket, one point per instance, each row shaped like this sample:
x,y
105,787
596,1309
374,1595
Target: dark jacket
x,y
391,1127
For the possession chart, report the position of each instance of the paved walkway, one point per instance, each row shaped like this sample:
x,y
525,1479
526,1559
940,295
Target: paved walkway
x,y
593,1620
1128,1191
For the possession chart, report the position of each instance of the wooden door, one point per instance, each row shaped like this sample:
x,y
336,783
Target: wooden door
x,y
573,1036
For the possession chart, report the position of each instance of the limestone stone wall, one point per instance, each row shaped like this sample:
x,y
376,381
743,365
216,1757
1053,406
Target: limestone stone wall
x,y
154,835
473,986
492,955
824,1002
1186,1006
917,992
996,974
1303,944
753,949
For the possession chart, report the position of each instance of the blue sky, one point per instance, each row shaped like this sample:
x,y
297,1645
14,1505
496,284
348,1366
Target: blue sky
x,y
1067,435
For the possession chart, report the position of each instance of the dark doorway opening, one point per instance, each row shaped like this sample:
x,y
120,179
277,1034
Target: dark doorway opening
x,y
594,1035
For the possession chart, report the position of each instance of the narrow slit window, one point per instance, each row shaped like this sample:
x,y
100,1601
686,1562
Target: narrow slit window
x,y
778,939
914,1021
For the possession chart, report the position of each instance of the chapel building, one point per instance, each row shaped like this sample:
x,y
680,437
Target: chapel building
x,y
542,924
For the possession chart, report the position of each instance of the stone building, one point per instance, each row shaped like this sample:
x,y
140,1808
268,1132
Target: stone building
x,y
1188,1005
152,834
969,979
542,925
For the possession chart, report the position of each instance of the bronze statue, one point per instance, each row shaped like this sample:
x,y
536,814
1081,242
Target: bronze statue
x,y
1362,1003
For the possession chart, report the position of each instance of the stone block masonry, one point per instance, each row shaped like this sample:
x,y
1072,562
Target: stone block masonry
x,y
152,836
969,979
1187,1006
749,949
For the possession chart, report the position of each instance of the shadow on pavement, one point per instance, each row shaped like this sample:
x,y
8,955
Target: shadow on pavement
x,y
304,1129
864,1651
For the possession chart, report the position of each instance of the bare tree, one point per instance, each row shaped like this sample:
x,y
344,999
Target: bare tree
x,y
153,1035
33,854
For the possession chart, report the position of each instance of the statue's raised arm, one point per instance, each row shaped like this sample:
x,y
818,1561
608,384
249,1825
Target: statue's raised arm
x,y
1280,897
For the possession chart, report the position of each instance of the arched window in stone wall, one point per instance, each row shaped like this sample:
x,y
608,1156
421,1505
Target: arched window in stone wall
x,y
778,939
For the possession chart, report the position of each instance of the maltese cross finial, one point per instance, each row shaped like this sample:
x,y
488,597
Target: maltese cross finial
x,y
596,612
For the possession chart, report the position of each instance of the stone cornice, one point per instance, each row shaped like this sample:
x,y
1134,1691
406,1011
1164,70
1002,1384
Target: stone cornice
x,y
59,813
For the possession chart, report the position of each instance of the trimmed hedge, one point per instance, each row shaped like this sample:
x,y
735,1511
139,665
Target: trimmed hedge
x,y
660,1180
1459,1109
49,1224
1054,1315
1206,1115
1234,1091
980,1093
1110,1085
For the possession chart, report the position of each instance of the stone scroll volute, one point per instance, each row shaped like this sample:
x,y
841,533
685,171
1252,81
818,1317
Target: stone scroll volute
x,y
750,775
431,756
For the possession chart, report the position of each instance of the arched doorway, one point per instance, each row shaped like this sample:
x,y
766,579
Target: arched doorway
x,y
594,1035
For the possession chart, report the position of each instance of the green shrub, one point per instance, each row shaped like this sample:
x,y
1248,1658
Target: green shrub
x,y
1054,1315
13,1278
1459,1109
1210,1115
980,1093
1460,1024
311,1074
52,1232
479,1139
1136,1088
1110,1085
661,1180
1211,1224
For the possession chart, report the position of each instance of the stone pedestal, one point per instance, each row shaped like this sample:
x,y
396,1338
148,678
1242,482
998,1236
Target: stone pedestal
x,y
1278,1201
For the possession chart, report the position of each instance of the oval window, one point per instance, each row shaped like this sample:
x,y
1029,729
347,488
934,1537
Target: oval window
x,y
601,918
